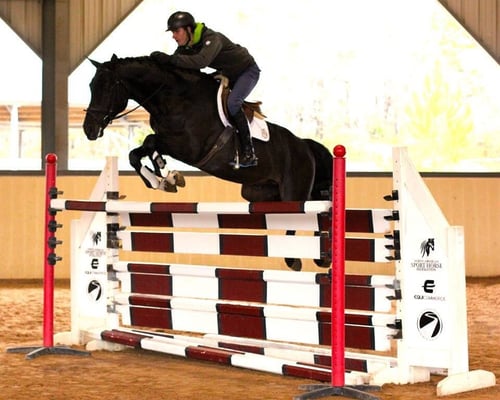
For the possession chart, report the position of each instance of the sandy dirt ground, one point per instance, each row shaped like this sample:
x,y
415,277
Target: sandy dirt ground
x,y
134,374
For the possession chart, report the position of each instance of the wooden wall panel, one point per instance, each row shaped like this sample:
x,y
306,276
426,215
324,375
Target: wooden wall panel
x,y
471,202
488,20
481,18
475,204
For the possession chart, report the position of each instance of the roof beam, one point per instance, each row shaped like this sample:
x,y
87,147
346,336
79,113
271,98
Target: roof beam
x,y
55,50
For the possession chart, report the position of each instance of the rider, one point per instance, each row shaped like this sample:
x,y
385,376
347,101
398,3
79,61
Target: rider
x,y
200,47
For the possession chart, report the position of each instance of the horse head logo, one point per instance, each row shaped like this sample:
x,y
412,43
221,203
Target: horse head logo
x,y
96,238
426,247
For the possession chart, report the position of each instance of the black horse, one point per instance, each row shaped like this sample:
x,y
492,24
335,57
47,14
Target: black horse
x,y
185,118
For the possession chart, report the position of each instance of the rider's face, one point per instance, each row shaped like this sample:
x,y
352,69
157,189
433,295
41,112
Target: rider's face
x,y
181,36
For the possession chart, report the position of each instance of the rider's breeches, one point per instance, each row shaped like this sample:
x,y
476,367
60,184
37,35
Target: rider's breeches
x,y
242,88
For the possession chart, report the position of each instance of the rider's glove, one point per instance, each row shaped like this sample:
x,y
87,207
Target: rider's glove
x,y
160,57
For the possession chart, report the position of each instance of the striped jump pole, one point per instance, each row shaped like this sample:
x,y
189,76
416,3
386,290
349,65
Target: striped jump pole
x,y
49,261
337,386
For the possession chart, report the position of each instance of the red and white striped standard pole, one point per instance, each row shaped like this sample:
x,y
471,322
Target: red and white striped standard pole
x,y
338,267
49,258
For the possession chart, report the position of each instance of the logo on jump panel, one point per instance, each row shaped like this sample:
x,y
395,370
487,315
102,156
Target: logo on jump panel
x,y
96,238
426,247
426,262
94,290
429,286
429,325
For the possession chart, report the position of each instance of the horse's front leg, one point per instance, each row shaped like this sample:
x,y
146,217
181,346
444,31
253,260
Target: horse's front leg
x,y
161,178
168,180
146,174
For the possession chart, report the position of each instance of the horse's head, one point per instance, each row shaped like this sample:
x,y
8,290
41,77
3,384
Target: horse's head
x,y
108,98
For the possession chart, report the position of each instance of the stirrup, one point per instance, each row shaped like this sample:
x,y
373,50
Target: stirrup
x,y
250,161
244,162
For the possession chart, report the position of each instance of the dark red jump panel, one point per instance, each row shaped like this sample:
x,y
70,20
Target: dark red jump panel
x,y
359,249
304,372
159,219
359,221
152,284
241,321
151,317
78,205
243,289
125,338
174,207
148,268
220,356
359,337
243,245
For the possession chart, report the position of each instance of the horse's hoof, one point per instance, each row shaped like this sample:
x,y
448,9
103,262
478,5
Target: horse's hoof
x,y
294,263
166,186
179,179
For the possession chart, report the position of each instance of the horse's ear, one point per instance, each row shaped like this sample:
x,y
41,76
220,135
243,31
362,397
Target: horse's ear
x,y
114,57
94,63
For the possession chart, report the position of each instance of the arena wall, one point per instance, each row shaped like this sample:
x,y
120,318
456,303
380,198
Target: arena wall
x,y
471,202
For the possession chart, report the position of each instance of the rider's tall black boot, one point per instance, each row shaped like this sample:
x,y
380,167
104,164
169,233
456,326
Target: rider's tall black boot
x,y
247,157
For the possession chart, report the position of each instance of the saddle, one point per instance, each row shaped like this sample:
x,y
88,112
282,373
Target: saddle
x,y
251,109
256,119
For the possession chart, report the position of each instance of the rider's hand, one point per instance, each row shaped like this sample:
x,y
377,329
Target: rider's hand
x,y
160,57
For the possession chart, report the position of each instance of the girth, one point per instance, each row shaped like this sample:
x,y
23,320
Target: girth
x,y
219,144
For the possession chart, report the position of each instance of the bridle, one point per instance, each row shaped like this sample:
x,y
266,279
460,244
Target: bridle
x,y
109,113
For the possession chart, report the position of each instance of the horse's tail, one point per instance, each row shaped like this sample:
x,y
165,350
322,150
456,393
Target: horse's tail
x,y
323,177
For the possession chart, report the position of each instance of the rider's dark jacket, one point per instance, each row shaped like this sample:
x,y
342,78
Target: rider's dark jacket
x,y
213,49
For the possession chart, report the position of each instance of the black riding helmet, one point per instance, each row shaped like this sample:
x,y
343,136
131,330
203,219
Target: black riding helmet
x,y
180,19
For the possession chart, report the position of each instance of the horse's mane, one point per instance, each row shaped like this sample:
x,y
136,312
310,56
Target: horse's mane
x,y
189,75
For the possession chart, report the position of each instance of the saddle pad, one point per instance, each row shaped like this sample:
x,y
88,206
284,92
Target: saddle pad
x,y
258,127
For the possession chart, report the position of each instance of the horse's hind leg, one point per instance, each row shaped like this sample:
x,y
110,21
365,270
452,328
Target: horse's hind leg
x,y
269,192
297,186
293,263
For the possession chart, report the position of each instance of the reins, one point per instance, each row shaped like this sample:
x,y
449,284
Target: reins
x,y
140,104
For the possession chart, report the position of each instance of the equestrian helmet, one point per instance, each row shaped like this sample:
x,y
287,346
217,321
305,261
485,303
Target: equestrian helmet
x,y
180,19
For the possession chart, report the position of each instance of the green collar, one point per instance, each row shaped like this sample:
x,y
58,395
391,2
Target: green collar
x,y
197,33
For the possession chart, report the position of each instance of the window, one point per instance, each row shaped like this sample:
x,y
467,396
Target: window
x,y
20,100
